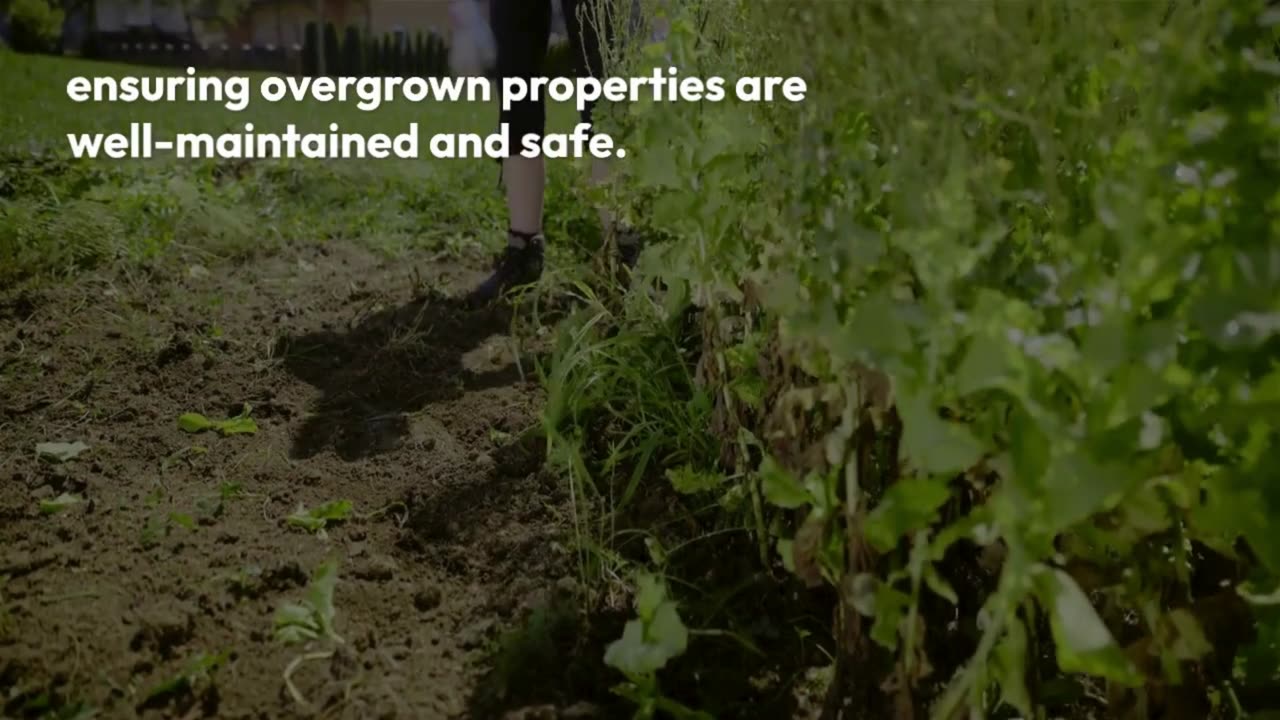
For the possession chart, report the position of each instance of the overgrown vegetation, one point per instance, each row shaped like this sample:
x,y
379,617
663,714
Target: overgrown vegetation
x,y
960,377
989,324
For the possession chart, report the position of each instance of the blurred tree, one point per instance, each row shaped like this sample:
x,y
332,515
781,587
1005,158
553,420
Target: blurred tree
x,y
34,25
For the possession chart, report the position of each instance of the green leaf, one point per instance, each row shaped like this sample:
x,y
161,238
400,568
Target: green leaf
x,y
183,520
1237,311
60,503
933,445
877,325
650,594
750,390
295,624
60,452
334,510
194,422
731,500
745,356
311,619
909,504
1077,486
822,490
780,486
644,650
318,518
657,170
1233,509
238,426
1103,346
303,519
890,611
320,595
785,549
1083,642
241,425
1188,642
654,638
1010,668
1028,448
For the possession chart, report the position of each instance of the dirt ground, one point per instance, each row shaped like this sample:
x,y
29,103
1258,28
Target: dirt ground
x,y
367,384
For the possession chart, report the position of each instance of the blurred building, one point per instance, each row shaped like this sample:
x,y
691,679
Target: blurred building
x,y
260,23
411,16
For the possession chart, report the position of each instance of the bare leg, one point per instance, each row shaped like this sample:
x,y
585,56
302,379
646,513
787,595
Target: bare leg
x,y
521,29
526,181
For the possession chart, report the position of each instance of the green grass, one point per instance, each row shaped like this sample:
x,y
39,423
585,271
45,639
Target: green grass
x,y
60,215
38,112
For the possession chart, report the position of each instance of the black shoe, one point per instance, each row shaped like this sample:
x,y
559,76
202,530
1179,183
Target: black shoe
x,y
516,266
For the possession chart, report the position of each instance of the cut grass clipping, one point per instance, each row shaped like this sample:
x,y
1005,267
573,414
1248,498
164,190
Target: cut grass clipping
x,y
241,424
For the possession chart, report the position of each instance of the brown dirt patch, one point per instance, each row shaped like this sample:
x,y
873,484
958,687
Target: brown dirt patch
x,y
367,385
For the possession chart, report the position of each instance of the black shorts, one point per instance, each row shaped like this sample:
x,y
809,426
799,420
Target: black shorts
x,y
522,31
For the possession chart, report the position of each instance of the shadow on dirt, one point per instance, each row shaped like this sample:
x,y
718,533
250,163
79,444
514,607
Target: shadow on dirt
x,y
386,365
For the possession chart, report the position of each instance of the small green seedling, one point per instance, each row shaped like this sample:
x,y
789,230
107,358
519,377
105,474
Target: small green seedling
x,y
211,506
241,424
648,642
247,580
197,669
182,454
60,503
312,619
182,520
159,525
155,497
316,519
60,452
654,637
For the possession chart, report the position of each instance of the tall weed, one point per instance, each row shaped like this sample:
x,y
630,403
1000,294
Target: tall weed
x,y
1020,262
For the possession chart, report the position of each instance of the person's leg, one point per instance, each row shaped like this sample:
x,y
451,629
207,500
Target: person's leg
x,y
525,180
589,33
522,29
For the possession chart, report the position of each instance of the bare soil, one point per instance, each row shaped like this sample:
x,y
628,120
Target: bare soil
x,y
369,384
